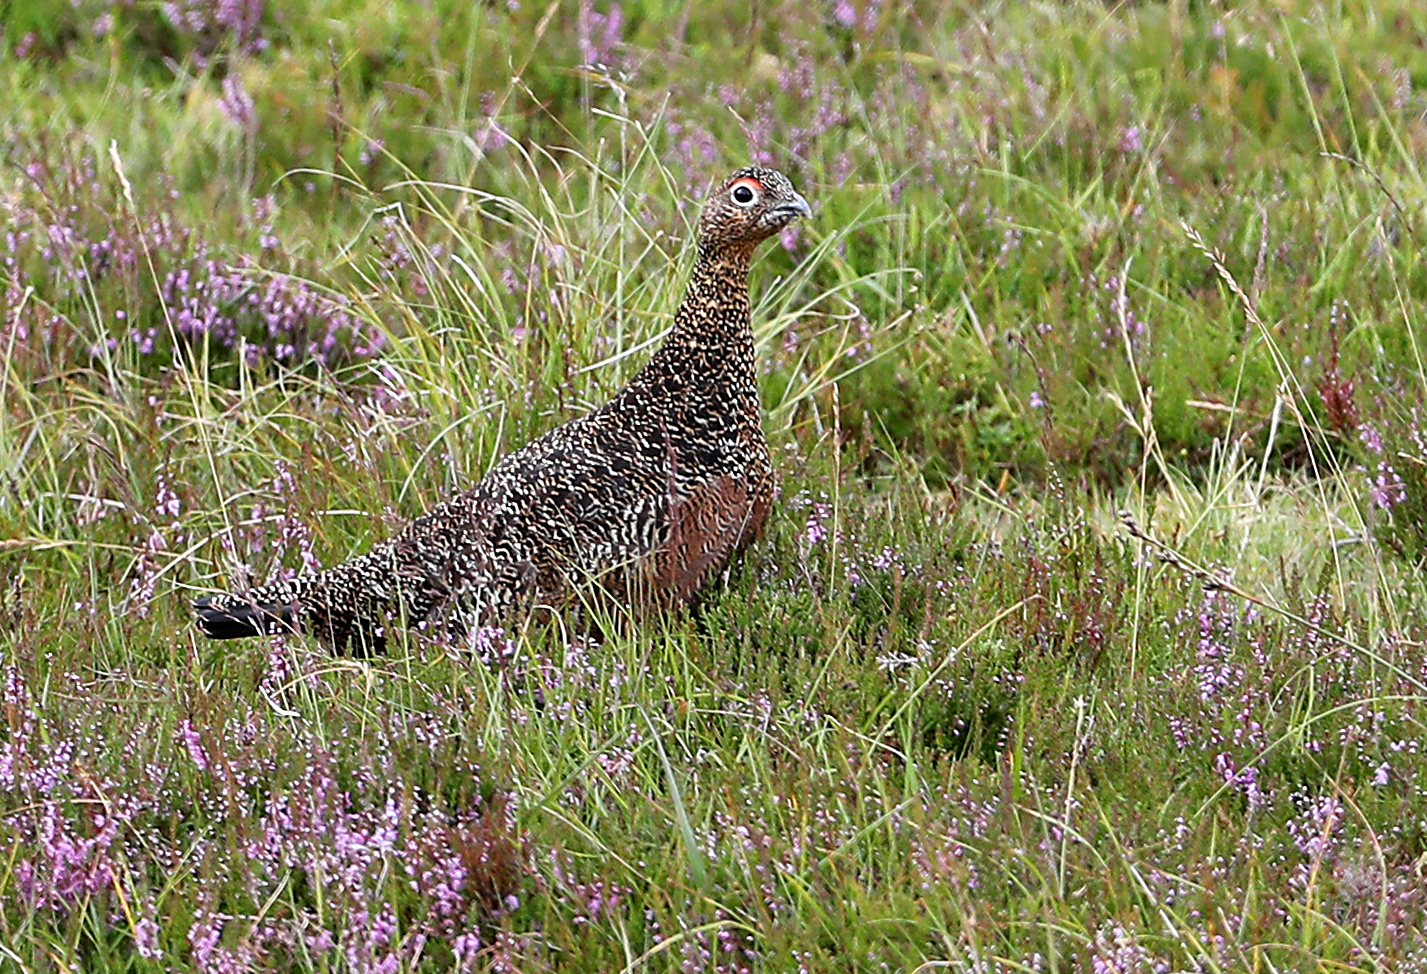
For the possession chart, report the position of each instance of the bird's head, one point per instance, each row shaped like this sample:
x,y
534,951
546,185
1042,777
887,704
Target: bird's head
x,y
747,207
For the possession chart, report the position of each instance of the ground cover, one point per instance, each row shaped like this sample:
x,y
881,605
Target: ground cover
x,y
1087,633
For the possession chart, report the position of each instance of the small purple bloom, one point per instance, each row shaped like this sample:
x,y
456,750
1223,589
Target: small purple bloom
x,y
237,105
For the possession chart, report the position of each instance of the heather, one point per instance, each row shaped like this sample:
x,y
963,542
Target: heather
x,y
1086,633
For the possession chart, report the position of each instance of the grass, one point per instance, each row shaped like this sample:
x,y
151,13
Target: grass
x,y
1087,632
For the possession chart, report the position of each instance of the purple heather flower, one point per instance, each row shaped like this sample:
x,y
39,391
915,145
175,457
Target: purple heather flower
x,y
371,150
1387,489
146,939
237,105
1315,831
466,947
1371,438
193,743
815,531
599,33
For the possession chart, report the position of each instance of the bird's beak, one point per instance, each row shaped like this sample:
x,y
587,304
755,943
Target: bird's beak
x,y
796,207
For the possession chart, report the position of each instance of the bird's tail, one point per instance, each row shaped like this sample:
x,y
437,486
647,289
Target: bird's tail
x,y
235,616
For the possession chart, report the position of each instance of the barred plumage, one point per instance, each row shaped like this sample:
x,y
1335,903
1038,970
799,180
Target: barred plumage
x,y
651,494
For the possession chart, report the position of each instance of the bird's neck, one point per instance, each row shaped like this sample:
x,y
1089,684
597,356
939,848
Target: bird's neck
x,y
715,310
709,353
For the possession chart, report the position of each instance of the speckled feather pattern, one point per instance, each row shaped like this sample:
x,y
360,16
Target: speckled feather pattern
x,y
651,495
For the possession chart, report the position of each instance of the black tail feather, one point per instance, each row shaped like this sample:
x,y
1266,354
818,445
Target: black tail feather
x,y
229,617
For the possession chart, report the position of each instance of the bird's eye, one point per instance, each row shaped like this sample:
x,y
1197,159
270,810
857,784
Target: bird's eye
x,y
744,193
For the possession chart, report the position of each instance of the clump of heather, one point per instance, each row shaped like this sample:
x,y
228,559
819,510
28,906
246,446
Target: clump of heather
x,y
276,843
1392,461
210,27
1383,438
90,282
202,31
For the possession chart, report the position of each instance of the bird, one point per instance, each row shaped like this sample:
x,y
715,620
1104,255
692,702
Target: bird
x,y
647,497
